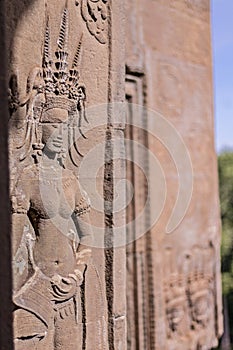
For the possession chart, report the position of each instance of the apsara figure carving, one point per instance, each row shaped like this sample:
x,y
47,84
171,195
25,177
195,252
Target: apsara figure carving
x,y
49,265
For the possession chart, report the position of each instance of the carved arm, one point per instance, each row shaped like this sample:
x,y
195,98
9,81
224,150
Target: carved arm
x,y
84,229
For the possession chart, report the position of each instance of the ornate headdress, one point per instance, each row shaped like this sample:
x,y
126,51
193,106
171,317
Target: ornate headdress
x,y
175,291
199,284
55,85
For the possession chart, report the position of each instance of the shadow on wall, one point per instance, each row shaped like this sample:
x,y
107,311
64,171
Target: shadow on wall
x,y
15,9
22,46
11,12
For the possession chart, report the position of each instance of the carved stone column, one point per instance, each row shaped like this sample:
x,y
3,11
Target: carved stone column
x,y
66,67
5,261
96,265
173,272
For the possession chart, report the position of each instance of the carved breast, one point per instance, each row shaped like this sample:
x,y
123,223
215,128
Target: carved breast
x,y
53,197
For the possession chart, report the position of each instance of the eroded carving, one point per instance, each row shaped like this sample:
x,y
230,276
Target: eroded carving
x,y
200,288
175,303
200,292
189,298
95,14
51,253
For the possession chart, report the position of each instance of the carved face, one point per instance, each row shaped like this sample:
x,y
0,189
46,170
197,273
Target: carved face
x,y
175,315
55,130
200,310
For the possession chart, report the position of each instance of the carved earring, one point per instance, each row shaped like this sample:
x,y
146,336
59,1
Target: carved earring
x,y
62,157
37,146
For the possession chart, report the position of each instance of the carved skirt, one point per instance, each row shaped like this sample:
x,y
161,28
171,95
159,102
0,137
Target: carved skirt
x,y
40,323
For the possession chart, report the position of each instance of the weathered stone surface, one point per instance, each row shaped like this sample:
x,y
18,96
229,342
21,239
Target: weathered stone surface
x,y
6,341
178,294
93,264
64,62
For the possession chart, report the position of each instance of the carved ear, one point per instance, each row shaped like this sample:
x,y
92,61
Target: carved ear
x,y
82,93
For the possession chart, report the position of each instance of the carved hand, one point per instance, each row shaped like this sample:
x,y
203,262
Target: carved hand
x,y
63,288
77,276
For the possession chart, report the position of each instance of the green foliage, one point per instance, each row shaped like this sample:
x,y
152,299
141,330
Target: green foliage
x,y
225,167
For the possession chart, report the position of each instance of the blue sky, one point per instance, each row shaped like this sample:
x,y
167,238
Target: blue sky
x,y
222,33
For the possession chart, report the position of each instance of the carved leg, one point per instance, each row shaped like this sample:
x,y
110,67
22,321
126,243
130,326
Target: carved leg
x,y
68,334
31,333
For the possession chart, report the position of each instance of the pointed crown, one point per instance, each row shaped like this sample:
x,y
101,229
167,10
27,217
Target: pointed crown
x,y
199,284
62,87
57,87
175,290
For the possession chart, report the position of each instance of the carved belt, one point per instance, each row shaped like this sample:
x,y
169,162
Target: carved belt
x,y
65,309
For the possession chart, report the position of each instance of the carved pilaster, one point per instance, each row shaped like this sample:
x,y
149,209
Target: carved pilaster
x,y
58,72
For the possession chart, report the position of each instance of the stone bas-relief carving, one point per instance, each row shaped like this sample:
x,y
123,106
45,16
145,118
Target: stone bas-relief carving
x,y
50,297
180,307
189,296
176,307
95,14
50,256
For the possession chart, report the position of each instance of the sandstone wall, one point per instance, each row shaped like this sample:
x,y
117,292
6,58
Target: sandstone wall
x,y
177,273
41,34
153,279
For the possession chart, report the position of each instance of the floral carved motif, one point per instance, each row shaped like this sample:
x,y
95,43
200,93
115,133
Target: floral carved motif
x,y
95,14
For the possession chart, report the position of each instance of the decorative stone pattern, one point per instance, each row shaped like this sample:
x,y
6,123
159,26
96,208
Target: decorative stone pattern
x,y
48,278
189,298
95,14
176,303
59,277
65,59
